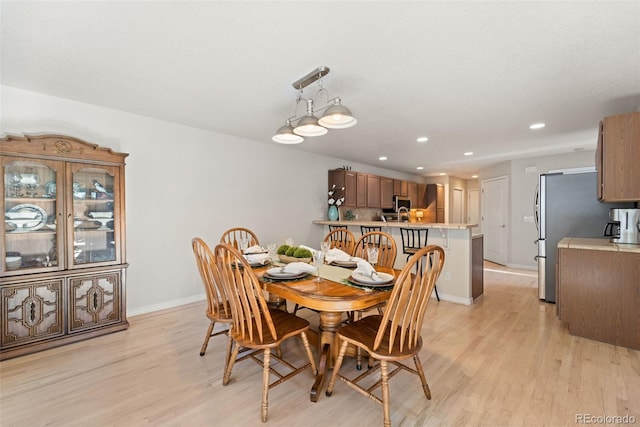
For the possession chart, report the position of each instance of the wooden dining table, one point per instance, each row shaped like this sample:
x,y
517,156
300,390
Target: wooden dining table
x,y
330,298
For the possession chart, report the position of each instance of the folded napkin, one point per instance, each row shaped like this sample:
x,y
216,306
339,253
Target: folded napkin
x,y
298,267
366,269
336,254
255,249
257,258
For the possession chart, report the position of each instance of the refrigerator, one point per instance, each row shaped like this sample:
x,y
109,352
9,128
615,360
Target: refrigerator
x,y
566,205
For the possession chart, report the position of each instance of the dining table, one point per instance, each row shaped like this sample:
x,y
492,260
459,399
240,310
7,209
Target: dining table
x,y
331,296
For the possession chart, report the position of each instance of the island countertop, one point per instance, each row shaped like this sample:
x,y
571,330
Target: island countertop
x,y
396,224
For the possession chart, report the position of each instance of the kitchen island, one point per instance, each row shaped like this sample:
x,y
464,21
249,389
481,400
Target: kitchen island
x,y
459,281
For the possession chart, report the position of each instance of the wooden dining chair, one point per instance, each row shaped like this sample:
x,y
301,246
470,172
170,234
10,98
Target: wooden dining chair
x,y
255,325
386,245
341,238
394,336
218,309
234,236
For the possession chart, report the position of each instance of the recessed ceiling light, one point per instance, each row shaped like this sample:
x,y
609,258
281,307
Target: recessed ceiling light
x,y
474,176
537,126
420,168
382,158
469,153
442,173
422,139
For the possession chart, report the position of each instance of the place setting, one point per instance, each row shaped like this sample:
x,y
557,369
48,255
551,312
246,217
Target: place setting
x,y
340,258
365,275
291,271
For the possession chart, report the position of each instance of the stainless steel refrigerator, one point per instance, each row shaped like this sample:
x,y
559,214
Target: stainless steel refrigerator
x,y
566,205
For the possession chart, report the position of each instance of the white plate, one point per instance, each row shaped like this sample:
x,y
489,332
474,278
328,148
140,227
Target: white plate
x,y
31,217
277,272
346,263
378,278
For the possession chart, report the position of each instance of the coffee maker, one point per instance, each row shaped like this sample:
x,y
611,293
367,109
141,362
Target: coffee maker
x,y
624,226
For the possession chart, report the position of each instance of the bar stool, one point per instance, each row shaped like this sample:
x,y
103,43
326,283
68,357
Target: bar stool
x,y
412,242
375,239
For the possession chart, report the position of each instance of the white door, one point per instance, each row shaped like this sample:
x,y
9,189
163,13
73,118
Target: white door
x,y
494,219
473,209
457,206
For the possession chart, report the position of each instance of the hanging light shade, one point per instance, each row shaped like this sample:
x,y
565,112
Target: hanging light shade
x,y
337,117
285,135
308,126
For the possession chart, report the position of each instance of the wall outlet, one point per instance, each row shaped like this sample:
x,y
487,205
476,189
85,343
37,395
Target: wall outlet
x,y
447,275
527,218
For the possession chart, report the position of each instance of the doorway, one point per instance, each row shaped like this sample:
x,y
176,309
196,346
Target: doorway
x,y
494,218
473,209
457,206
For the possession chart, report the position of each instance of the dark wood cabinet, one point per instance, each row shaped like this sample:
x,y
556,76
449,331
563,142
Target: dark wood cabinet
x,y
373,191
386,193
618,157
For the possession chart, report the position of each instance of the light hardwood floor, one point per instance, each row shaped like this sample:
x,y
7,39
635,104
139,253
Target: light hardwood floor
x,y
506,360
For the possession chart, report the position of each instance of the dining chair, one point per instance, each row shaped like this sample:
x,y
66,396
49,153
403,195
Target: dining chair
x,y
218,309
255,325
234,236
341,238
412,241
395,336
386,245
387,251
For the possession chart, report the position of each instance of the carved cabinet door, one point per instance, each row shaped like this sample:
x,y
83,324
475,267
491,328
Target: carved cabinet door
x,y
94,300
32,312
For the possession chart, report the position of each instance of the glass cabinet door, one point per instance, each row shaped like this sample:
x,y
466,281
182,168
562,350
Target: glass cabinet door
x,y
94,214
31,205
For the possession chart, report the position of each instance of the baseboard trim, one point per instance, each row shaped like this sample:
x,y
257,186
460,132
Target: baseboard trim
x,y
165,305
453,298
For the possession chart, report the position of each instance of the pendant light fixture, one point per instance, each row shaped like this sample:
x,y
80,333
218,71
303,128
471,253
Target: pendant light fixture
x,y
336,116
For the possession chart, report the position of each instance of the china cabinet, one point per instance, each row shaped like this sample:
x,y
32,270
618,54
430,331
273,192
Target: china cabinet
x,y
63,242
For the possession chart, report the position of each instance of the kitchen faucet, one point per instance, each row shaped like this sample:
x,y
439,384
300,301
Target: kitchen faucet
x,y
400,209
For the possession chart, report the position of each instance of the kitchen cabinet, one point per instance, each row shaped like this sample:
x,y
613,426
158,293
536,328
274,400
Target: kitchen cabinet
x,y
618,157
434,210
347,179
373,191
422,196
400,188
598,293
361,192
412,193
63,235
386,193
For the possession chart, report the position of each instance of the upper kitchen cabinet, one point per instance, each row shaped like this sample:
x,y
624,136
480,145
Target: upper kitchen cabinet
x,y
347,179
386,193
618,157
400,188
373,191
412,193
62,275
362,190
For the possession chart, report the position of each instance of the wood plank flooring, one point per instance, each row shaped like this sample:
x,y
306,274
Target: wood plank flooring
x,y
506,360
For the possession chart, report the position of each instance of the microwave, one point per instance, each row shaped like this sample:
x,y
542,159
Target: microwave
x,y
401,202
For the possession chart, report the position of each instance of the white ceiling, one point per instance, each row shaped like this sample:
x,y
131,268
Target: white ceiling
x,y
471,76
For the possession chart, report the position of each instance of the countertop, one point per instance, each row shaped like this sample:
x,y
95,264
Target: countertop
x,y
596,245
395,224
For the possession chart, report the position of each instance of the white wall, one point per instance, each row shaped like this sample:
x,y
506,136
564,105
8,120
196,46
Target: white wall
x,y
184,182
